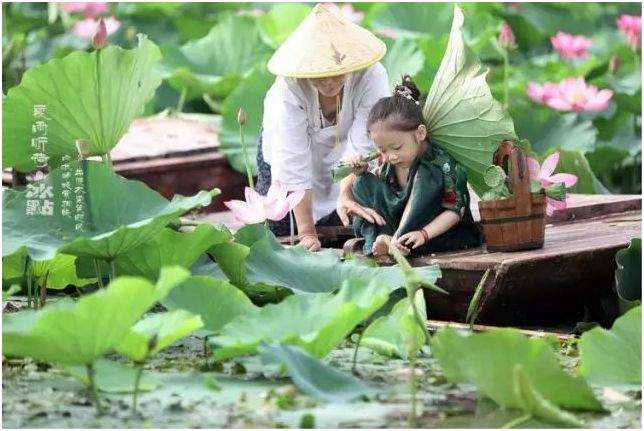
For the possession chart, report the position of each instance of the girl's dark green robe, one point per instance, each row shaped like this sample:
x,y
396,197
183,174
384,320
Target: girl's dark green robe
x,y
437,184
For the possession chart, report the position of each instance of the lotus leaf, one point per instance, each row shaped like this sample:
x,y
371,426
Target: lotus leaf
x,y
316,322
113,377
156,332
312,376
278,23
461,114
397,334
402,58
93,96
489,359
215,63
216,301
614,356
628,275
115,222
264,260
78,333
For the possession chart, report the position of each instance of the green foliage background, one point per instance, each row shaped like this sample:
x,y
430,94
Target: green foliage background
x,y
603,149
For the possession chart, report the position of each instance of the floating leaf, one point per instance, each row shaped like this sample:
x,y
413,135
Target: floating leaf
x,y
489,359
265,261
113,377
156,332
215,63
614,356
461,114
398,334
312,376
628,275
116,221
216,301
78,333
93,96
316,322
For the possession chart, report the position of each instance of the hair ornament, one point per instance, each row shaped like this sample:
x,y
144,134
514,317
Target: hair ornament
x,y
405,92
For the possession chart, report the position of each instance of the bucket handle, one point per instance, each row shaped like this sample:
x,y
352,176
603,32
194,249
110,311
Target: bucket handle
x,y
511,158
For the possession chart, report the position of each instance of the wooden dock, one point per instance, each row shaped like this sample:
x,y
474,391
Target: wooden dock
x,y
568,280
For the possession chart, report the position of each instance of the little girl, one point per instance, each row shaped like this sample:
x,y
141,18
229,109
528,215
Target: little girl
x,y
419,190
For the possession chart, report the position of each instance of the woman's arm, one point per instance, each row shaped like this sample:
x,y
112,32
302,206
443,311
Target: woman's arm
x,y
305,224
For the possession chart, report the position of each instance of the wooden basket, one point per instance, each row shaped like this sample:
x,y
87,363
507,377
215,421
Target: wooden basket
x,y
515,223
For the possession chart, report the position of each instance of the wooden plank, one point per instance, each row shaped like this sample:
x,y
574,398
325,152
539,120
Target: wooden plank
x,y
435,325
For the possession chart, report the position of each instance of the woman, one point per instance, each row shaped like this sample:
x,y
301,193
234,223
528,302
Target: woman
x,y
315,114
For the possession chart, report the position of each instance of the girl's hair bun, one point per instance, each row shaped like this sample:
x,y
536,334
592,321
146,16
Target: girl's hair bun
x,y
408,89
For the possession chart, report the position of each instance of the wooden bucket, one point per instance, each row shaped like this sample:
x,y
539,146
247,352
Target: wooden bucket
x,y
518,222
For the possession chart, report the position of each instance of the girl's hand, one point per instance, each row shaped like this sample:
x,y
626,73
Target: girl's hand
x,y
310,242
413,239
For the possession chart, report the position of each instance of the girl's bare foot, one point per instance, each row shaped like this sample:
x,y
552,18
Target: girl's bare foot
x,y
381,245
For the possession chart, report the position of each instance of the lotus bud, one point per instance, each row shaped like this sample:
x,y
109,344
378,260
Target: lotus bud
x,y
82,146
241,116
506,37
557,192
613,64
100,37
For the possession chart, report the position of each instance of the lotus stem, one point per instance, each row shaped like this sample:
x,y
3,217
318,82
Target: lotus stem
x,y
99,276
249,170
92,387
290,214
137,381
182,99
516,422
472,309
419,319
112,270
99,99
355,353
205,346
43,290
29,281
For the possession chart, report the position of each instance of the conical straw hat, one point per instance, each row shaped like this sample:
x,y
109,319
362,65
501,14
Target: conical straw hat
x,y
325,44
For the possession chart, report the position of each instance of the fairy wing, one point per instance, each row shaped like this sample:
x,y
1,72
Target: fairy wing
x,y
461,114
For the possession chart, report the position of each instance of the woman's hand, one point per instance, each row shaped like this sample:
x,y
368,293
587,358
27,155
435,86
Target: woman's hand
x,y
413,239
347,206
310,242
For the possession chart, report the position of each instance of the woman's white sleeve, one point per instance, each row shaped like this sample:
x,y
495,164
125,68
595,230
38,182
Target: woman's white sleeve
x,y
374,87
288,140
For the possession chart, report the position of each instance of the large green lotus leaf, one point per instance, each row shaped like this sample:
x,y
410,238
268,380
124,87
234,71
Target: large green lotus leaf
x,y
113,377
461,114
397,334
402,58
249,94
120,214
614,356
628,275
263,260
312,376
411,19
14,265
93,96
316,322
58,273
78,333
215,63
569,132
216,301
156,332
279,22
488,360
168,247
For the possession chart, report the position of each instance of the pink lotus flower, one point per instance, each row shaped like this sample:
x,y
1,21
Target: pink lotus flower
x,y
90,9
100,37
569,46
257,208
545,175
346,11
631,26
571,94
506,37
87,28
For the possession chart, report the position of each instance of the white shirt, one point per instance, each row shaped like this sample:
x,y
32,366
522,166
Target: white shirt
x,y
300,149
